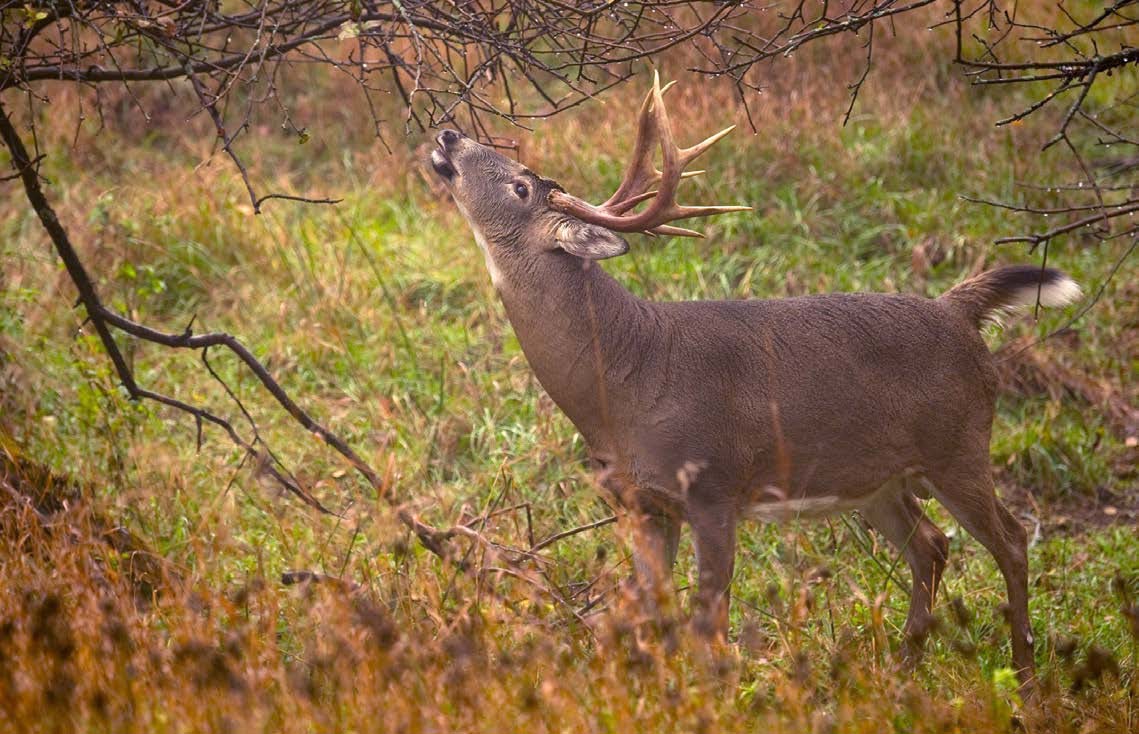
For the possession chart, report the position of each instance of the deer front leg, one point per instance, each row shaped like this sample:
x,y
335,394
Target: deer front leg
x,y
656,537
653,531
714,536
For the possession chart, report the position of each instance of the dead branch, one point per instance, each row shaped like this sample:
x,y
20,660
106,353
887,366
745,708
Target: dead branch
x,y
573,531
103,319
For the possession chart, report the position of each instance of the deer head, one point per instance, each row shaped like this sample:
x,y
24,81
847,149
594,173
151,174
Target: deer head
x,y
517,214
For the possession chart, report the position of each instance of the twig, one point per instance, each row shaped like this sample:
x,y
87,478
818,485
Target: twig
x,y
573,531
289,197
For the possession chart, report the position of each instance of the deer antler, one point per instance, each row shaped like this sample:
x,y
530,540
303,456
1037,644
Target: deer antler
x,y
653,127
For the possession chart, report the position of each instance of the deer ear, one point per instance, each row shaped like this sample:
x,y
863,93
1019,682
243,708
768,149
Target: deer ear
x,y
588,240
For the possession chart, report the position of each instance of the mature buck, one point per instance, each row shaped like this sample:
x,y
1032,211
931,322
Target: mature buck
x,y
712,411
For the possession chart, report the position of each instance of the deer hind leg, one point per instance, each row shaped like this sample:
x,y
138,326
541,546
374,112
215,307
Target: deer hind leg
x,y
714,537
898,517
967,491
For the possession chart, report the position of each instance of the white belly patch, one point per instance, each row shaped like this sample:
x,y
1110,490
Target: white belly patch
x,y
776,510
772,506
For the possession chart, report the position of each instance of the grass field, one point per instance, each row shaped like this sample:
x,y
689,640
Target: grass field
x,y
141,578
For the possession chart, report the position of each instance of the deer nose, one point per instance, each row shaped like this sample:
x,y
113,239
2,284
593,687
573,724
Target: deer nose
x,y
447,138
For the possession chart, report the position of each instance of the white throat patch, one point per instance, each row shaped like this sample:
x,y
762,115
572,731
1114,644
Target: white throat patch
x,y
495,273
480,239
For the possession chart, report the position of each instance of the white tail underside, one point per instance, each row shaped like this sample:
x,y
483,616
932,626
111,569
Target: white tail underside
x,y
1057,293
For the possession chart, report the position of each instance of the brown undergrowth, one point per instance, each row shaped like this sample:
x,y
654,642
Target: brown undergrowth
x,y
93,640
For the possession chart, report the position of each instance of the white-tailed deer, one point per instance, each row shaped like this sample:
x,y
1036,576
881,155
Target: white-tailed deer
x,y
712,411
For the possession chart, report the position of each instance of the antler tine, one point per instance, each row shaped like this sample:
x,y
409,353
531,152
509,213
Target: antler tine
x,y
687,155
671,166
675,231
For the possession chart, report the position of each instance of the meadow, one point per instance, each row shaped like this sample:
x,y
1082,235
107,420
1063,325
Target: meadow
x,y
142,572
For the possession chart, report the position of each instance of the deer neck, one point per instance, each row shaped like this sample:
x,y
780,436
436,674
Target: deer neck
x,y
585,337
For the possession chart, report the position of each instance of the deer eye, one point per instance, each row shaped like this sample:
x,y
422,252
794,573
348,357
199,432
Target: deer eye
x,y
521,190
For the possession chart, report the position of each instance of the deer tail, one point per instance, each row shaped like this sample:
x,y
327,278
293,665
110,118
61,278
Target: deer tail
x,y
989,295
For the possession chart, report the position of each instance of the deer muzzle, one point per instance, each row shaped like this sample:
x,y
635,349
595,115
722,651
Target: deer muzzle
x,y
440,158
